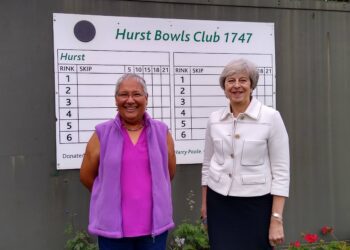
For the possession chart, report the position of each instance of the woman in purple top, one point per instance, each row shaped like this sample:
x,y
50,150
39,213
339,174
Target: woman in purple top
x,y
128,165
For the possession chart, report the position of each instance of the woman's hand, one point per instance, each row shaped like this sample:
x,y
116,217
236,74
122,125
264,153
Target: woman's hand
x,y
204,206
276,234
203,211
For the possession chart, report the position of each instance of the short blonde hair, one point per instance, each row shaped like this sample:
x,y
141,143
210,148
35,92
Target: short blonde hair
x,y
240,66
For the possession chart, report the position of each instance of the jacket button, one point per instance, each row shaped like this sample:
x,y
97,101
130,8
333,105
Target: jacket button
x,y
232,156
230,175
242,117
237,136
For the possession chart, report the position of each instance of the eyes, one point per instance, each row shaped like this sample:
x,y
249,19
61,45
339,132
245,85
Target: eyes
x,y
126,95
239,81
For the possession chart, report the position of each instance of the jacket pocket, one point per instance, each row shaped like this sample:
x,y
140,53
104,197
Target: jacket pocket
x,y
253,153
219,151
253,179
214,176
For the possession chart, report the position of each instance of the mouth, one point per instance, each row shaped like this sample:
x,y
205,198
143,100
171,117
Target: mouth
x,y
237,93
130,108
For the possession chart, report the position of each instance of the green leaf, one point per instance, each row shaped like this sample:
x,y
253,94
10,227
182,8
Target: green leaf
x,y
79,240
194,235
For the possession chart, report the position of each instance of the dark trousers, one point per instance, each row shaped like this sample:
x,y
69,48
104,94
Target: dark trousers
x,y
238,223
134,243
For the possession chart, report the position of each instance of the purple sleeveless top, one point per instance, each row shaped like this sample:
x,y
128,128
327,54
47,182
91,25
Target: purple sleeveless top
x,y
106,217
136,187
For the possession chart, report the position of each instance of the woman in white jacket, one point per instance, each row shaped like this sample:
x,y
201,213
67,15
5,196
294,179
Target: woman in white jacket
x,y
245,174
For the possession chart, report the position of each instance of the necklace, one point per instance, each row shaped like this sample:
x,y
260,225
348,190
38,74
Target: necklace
x,y
133,129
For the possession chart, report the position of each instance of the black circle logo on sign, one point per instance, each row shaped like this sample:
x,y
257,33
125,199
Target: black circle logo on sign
x,y
84,31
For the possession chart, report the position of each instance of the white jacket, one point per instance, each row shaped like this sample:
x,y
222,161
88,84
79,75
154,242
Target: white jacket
x,y
248,155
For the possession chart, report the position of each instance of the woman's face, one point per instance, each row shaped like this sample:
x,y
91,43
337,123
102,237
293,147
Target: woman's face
x,y
131,101
238,89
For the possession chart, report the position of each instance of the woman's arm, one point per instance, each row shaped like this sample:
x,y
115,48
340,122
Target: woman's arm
x,y
91,160
208,153
278,148
278,144
276,233
171,156
204,203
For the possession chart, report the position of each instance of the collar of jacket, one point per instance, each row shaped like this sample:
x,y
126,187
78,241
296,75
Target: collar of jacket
x,y
253,110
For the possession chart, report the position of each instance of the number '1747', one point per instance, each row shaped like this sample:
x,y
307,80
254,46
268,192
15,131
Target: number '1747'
x,y
236,37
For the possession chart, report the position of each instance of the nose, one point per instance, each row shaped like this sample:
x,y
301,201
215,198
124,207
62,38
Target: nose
x,y
236,84
130,99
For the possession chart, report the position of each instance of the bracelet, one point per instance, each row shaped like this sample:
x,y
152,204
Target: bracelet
x,y
277,216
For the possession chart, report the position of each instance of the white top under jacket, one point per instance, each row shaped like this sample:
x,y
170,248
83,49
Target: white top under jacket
x,y
248,155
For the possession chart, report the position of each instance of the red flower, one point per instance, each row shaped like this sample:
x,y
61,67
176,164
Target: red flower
x,y
296,244
310,238
326,230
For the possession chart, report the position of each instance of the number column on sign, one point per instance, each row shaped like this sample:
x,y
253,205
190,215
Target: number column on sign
x,y
183,112
147,74
152,78
68,104
264,89
165,93
268,89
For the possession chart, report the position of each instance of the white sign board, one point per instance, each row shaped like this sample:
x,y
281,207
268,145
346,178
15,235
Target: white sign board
x,y
181,61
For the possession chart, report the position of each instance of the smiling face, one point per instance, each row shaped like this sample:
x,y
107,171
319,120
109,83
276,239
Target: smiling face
x,y
131,101
238,89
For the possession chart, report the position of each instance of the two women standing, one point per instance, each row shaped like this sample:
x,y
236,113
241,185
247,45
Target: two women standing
x,y
130,161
